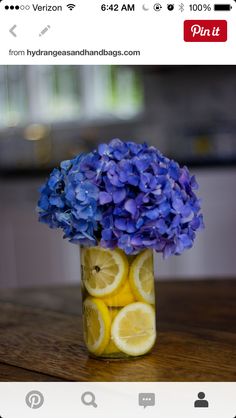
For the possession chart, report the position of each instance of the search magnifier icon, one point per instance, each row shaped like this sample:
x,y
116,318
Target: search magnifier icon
x,y
88,399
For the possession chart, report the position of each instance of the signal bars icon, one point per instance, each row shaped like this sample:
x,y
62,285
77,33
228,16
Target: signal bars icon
x,y
70,6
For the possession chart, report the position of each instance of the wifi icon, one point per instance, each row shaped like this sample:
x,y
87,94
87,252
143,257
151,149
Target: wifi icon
x,y
70,6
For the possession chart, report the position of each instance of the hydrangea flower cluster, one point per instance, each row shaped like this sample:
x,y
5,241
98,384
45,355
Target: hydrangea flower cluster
x,y
124,195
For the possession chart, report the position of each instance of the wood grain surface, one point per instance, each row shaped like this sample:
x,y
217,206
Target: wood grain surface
x,y
41,336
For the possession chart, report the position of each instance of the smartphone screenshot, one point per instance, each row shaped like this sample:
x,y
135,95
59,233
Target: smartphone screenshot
x,y
117,209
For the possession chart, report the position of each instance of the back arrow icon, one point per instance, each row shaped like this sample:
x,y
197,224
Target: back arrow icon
x,y
12,31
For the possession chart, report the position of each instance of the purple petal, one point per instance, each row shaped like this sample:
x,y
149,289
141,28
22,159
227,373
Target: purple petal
x,y
186,240
174,170
120,223
104,198
165,209
130,227
152,214
90,174
169,250
161,226
197,223
176,221
136,241
132,179
139,223
123,176
114,179
187,210
119,196
194,183
56,201
107,234
130,206
143,162
103,149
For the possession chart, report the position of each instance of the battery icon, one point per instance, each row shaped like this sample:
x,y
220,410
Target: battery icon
x,y
222,7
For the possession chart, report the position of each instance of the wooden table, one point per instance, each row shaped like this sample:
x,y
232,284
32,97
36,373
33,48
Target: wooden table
x,y
41,336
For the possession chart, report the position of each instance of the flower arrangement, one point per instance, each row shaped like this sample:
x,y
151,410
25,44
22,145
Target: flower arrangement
x,y
124,195
119,200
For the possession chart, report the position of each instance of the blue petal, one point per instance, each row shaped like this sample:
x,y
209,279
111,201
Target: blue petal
x,y
152,214
66,165
56,201
43,202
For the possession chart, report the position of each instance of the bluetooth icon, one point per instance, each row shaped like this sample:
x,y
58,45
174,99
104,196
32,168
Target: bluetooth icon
x,y
181,7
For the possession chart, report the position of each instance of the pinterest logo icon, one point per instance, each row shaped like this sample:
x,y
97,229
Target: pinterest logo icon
x,y
34,399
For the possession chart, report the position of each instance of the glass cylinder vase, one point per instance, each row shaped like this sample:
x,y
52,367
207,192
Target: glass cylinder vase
x,y
118,296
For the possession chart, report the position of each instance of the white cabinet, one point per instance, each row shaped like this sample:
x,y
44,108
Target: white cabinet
x,y
30,253
214,252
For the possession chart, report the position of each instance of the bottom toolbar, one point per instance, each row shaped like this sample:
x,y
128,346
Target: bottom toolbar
x,y
165,400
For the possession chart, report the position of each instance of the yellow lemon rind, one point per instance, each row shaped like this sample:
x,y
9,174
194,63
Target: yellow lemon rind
x,y
105,324
134,279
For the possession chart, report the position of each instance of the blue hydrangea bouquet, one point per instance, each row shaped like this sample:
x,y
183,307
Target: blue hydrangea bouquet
x,y
119,203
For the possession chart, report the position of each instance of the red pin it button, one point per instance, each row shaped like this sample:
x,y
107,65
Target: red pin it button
x,y
205,30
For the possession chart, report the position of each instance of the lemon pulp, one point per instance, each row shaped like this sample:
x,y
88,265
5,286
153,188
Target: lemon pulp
x,y
134,329
123,297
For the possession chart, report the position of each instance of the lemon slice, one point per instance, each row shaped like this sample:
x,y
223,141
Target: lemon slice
x,y
134,329
104,271
142,278
111,347
97,325
121,298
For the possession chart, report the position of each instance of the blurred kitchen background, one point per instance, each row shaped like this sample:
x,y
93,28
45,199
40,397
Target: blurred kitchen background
x,y
51,113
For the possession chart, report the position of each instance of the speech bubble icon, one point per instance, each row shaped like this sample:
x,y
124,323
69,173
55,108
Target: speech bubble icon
x,y
146,399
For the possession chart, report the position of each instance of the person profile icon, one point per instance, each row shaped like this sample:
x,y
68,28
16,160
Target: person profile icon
x,y
201,402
